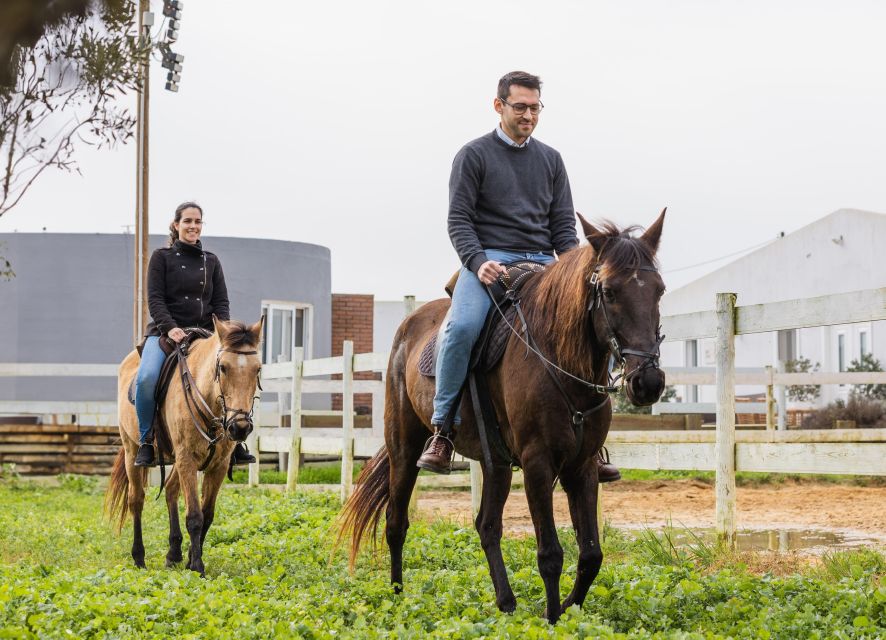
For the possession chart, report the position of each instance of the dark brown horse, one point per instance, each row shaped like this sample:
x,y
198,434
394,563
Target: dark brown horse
x,y
598,299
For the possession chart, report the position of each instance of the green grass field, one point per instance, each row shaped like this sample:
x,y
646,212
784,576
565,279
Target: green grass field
x,y
272,572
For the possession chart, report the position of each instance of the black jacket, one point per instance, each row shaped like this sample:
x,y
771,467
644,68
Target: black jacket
x,y
186,286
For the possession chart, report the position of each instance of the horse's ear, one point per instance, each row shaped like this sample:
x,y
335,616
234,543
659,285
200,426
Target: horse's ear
x,y
652,235
221,328
256,329
595,237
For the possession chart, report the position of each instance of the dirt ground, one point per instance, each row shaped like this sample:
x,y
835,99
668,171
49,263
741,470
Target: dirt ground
x,y
690,503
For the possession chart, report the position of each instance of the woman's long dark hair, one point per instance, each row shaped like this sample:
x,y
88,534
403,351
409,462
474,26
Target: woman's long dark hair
x,y
173,233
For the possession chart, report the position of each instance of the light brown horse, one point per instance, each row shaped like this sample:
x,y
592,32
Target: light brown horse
x,y
226,368
597,299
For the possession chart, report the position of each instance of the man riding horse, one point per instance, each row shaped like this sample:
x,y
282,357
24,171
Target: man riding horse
x,y
509,200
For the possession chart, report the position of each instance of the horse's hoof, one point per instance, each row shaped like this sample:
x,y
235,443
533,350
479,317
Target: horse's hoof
x,y
398,588
171,564
140,565
552,618
508,606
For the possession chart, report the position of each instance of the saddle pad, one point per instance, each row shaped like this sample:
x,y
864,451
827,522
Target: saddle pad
x,y
427,362
486,353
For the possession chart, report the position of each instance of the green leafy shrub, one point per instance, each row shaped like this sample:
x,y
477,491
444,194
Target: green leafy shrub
x,y
621,404
871,391
865,411
79,484
802,392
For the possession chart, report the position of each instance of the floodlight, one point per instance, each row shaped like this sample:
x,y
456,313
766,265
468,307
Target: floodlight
x,y
172,86
172,76
172,6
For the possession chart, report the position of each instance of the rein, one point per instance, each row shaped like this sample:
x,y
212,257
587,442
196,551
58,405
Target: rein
x,y
650,359
197,406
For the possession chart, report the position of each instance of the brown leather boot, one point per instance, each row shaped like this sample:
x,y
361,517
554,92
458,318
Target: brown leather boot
x,y
438,455
606,471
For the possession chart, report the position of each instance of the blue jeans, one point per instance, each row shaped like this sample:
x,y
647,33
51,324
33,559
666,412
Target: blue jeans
x,y
470,304
145,383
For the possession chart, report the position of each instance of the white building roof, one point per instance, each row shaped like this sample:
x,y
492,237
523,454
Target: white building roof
x,y
844,251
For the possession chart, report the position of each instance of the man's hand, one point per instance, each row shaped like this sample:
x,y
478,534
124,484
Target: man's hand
x,y
177,335
489,271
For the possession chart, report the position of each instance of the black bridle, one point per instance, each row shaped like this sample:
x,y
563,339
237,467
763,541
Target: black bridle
x,y
212,427
649,359
230,417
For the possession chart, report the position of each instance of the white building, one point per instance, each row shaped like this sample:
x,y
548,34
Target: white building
x,y
839,253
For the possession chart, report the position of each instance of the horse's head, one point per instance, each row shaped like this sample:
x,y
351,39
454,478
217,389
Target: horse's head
x,y
625,290
237,369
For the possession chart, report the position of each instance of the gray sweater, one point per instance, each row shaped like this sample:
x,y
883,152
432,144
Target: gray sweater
x,y
504,197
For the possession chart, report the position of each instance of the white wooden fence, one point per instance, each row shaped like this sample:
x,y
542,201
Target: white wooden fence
x,y
831,451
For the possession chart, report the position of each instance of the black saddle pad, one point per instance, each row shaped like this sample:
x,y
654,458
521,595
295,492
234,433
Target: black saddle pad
x,y
490,347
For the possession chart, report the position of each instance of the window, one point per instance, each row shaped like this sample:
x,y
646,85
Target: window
x,y
690,357
863,346
287,326
787,345
841,352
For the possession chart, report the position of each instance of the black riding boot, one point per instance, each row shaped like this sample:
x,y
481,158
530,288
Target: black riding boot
x,y
145,455
241,455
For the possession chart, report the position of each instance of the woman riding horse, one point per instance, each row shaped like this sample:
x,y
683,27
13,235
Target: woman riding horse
x,y
186,287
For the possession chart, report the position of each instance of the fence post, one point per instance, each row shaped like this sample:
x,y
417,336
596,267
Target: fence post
x,y
347,420
476,487
408,304
725,447
294,465
252,442
781,400
770,401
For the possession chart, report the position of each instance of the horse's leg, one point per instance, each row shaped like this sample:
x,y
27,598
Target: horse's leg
x,y
187,475
496,487
538,478
581,489
135,499
403,474
212,482
172,489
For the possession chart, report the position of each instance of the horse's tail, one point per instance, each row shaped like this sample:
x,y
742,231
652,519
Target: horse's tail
x,y
116,497
363,509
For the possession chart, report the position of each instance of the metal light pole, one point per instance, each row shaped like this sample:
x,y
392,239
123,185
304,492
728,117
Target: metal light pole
x,y
140,302
171,61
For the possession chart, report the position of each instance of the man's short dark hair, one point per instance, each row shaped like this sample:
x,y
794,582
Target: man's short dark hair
x,y
520,78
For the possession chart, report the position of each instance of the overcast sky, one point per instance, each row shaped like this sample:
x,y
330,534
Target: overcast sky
x,y
335,123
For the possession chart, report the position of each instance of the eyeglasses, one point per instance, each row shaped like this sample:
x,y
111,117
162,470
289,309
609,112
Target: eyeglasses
x,y
520,108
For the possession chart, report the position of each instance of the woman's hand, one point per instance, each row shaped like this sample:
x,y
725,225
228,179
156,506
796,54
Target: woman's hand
x,y
177,335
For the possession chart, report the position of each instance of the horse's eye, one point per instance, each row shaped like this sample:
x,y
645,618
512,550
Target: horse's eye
x,y
222,368
609,294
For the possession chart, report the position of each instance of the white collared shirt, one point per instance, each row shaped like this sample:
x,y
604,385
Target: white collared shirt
x,y
506,138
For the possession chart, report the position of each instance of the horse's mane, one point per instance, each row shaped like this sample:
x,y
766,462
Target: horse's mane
x,y
556,301
239,335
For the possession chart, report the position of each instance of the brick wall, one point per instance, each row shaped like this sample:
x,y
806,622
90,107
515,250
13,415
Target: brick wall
x,y
352,320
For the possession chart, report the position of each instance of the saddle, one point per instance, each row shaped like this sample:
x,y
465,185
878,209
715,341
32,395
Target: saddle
x,y
490,346
487,352
159,431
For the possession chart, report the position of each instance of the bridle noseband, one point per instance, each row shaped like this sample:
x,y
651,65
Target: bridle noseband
x,y
231,416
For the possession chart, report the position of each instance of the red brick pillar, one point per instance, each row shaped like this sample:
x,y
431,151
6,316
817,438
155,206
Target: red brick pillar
x,y
352,320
